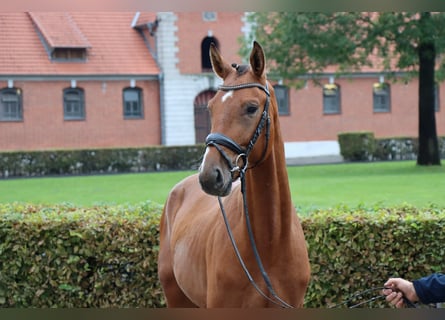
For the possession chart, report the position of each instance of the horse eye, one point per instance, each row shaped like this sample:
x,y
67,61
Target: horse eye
x,y
251,109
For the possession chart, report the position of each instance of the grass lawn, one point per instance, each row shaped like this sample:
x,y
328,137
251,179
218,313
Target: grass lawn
x,y
367,184
91,190
312,186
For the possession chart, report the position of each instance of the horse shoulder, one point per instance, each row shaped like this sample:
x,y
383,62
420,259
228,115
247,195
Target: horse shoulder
x,y
189,219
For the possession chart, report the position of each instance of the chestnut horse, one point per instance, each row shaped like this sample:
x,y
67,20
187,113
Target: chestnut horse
x,y
198,266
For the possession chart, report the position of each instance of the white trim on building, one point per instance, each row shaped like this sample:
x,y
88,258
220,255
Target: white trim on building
x,y
179,90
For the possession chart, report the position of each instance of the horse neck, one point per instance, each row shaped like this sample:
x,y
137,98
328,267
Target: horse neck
x,y
268,195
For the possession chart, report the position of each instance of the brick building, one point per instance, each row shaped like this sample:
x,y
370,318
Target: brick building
x,y
125,79
76,80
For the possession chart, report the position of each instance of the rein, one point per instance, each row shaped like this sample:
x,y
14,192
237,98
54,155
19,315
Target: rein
x,y
217,140
360,294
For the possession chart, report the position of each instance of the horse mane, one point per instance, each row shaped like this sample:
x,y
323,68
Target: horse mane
x,y
240,68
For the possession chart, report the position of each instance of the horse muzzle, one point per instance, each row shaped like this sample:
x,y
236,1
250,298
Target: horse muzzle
x,y
217,171
214,176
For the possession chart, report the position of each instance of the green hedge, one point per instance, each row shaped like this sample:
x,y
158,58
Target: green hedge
x,y
356,146
397,148
362,146
352,250
65,162
64,256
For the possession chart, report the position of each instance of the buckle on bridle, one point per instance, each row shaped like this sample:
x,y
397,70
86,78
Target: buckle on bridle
x,y
236,167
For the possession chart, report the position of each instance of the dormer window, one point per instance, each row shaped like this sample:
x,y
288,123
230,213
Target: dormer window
x,y
69,54
61,36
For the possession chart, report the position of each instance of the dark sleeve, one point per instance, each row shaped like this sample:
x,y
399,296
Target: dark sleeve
x,y
431,289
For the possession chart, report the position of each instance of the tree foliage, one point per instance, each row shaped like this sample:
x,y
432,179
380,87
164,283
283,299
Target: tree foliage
x,y
307,43
396,43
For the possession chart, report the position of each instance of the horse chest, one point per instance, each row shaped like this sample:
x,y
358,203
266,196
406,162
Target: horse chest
x,y
190,258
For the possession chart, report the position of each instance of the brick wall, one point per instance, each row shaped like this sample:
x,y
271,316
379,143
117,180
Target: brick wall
x,y
307,122
192,30
43,126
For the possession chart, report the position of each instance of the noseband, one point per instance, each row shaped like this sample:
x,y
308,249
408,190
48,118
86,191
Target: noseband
x,y
218,139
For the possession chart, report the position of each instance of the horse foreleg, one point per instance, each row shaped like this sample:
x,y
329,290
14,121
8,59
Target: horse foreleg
x,y
174,296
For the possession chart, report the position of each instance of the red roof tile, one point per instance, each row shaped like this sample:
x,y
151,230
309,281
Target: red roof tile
x,y
115,48
59,30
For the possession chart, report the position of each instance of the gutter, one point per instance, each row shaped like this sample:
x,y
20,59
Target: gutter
x,y
80,77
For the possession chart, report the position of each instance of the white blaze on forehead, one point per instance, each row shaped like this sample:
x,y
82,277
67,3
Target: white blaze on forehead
x,y
229,94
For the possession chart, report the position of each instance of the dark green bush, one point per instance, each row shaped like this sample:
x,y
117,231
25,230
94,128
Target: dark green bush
x,y
363,146
402,148
352,250
397,148
356,146
65,256
66,162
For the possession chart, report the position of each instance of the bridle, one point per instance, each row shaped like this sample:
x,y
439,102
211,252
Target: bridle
x,y
217,140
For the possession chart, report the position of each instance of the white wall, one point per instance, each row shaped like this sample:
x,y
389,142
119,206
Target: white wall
x,y
313,150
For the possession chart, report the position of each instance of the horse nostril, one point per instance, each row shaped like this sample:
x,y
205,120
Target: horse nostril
x,y
215,180
219,177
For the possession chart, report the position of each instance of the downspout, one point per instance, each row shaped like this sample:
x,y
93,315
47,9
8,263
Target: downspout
x,y
162,108
152,28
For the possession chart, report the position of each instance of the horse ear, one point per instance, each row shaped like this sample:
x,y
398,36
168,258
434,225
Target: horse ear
x,y
219,65
257,60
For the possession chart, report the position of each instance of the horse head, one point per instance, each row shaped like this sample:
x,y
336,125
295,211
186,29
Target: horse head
x,y
240,119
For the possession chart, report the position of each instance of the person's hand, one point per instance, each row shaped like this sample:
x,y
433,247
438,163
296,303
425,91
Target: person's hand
x,y
397,288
